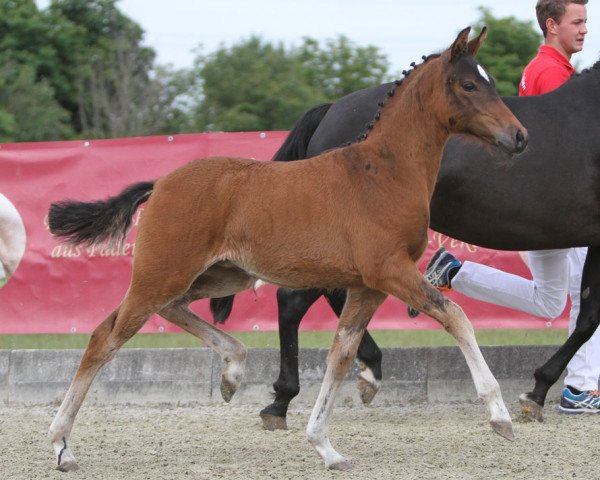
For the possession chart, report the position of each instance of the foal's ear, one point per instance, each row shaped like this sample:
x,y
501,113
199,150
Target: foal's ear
x,y
460,44
474,45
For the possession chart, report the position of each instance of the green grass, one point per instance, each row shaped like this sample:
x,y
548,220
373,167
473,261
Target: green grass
x,y
312,339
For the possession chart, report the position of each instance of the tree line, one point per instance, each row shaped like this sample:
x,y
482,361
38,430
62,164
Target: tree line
x,y
79,69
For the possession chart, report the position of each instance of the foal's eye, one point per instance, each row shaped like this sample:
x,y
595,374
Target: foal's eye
x,y
468,86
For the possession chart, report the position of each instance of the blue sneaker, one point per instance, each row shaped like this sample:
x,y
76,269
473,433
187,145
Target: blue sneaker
x,y
585,402
438,273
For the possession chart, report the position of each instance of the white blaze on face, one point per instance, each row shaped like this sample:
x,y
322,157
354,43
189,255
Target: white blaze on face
x,y
483,73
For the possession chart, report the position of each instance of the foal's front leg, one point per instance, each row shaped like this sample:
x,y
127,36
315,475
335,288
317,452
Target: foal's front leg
x,y
360,307
410,287
452,317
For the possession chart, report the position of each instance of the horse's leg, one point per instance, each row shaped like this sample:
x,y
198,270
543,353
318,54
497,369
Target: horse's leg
x,y
104,343
369,361
547,375
147,294
292,306
360,307
218,281
368,355
157,280
233,353
409,285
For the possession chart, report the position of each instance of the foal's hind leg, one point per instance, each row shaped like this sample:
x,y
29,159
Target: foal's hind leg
x,y
368,355
111,334
409,286
233,353
217,281
104,343
150,290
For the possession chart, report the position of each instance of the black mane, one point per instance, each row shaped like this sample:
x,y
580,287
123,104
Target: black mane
x,y
396,83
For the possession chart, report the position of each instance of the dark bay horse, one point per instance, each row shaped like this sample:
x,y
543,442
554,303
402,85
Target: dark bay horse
x,y
354,218
548,199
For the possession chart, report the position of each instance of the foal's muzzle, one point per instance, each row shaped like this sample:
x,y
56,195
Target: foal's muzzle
x,y
513,142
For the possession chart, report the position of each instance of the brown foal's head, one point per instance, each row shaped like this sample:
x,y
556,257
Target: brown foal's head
x,y
472,102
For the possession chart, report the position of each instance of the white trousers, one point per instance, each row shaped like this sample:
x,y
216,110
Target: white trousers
x,y
556,274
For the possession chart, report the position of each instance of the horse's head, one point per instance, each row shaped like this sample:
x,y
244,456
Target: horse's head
x,y
473,102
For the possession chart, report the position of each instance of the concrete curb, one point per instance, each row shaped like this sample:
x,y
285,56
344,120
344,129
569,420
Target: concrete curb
x,y
187,375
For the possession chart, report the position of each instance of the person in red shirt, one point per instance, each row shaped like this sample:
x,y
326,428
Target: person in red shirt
x,y
562,38
556,273
547,71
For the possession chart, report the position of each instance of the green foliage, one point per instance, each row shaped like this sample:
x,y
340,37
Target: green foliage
x,y
79,69
508,48
251,86
7,126
23,34
105,71
256,85
28,110
341,67
173,104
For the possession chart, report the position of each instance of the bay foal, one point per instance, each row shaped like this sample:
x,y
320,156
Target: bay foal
x,y
355,217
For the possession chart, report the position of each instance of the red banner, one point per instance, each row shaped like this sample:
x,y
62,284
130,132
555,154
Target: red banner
x,y
62,289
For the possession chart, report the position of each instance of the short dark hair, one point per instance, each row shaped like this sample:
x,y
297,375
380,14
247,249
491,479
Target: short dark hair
x,y
554,9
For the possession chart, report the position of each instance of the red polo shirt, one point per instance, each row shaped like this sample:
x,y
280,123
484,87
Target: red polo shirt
x,y
546,72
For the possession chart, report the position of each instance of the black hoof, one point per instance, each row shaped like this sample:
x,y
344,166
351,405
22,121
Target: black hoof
x,y
272,422
530,409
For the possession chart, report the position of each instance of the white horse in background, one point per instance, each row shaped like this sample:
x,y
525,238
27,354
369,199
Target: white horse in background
x,y
12,239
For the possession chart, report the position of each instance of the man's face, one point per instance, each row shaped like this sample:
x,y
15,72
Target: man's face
x,y
571,30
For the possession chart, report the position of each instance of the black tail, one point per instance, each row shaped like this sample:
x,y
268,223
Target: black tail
x,y
293,148
221,308
295,145
95,222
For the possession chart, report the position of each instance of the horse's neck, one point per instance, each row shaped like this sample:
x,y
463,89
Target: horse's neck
x,y
408,140
569,112
583,91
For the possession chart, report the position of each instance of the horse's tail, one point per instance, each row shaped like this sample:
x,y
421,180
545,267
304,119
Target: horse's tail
x,y
91,223
221,308
296,143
